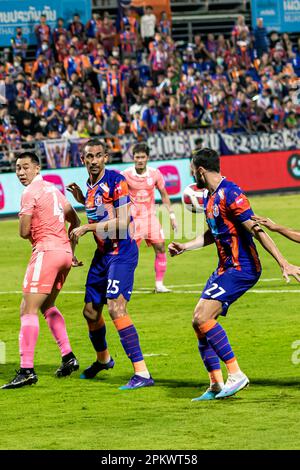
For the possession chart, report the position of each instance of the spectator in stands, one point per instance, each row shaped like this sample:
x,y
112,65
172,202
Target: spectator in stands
x,y
151,117
138,127
239,29
108,33
42,31
130,18
148,24
164,26
112,124
76,28
72,63
260,37
19,44
41,68
45,50
128,40
93,26
60,30
61,48
49,91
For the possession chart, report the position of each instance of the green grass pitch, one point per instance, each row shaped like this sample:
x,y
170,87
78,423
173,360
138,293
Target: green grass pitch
x,y
77,414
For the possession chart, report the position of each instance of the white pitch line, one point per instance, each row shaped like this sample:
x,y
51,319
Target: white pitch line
x,y
155,355
151,291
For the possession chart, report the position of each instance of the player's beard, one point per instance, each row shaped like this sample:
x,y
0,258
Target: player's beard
x,y
200,181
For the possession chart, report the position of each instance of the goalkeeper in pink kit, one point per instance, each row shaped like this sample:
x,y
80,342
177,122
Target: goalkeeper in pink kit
x,y
142,181
43,213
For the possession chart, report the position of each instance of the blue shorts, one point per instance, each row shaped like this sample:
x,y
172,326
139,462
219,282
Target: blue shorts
x,y
229,286
109,276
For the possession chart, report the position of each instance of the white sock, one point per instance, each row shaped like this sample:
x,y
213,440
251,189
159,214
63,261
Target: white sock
x,y
145,374
158,284
237,375
104,362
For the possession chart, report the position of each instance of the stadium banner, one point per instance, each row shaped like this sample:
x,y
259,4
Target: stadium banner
x,y
26,14
278,15
57,154
176,175
181,144
254,172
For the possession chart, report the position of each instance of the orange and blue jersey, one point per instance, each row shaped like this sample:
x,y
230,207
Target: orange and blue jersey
x,y
102,200
225,210
114,83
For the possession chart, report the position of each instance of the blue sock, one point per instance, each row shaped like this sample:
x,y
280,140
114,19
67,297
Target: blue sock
x,y
98,340
209,357
218,340
130,342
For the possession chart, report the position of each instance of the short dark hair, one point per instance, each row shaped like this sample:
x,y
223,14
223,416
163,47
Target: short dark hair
x,y
94,143
27,154
142,147
208,158
199,141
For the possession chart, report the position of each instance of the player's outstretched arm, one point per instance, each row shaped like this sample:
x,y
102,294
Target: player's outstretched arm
x,y
289,233
269,245
176,248
75,190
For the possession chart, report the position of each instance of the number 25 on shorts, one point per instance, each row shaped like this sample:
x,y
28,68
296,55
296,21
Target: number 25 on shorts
x,y
113,286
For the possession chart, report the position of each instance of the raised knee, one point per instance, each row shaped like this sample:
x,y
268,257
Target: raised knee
x,y
89,313
198,319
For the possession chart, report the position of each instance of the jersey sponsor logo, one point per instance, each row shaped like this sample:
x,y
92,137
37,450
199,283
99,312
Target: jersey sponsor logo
x,y
104,187
221,193
57,181
239,201
172,178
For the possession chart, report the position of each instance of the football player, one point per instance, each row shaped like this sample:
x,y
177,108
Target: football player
x,y
228,215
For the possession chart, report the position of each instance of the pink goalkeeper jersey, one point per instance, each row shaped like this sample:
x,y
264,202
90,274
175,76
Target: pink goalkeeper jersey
x,y
45,203
142,190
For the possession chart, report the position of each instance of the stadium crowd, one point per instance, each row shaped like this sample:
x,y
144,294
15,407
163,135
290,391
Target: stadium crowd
x,y
112,78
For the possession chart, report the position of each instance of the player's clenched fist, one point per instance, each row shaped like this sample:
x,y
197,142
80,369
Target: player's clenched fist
x,y
76,192
176,248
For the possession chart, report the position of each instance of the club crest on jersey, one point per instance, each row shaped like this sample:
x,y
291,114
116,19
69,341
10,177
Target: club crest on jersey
x,y
150,181
216,210
98,200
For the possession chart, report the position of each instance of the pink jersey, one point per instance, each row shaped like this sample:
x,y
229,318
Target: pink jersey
x,y
45,203
142,190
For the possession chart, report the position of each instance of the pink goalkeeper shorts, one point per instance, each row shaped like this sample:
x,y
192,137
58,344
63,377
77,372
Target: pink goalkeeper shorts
x,y
148,229
46,269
